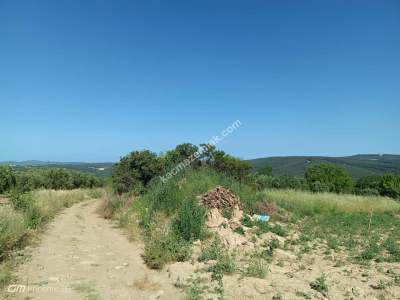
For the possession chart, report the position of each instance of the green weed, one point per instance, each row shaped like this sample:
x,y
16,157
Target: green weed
x,y
257,267
211,252
320,284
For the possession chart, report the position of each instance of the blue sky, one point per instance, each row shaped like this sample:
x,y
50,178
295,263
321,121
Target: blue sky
x,y
93,80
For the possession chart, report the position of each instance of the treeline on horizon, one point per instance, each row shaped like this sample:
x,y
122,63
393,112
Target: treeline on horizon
x,y
137,169
134,172
42,178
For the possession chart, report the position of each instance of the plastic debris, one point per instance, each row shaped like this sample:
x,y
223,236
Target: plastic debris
x,y
261,218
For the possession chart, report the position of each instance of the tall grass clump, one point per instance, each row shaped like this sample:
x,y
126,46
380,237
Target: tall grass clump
x,y
310,204
189,220
12,229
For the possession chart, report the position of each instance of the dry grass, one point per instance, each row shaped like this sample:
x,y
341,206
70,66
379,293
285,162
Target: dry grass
x,y
12,228
145,284
50,202
307,203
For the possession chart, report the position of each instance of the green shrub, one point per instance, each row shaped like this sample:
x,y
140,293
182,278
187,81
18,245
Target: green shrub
x,y
23,202
20,201
262,227
371,252
270,248
385,185
239,230
135,170
265,170
7,179
224,265
278,230
368,185
189,221
163,248
231,166
320,284
181,153
393,248
211,252
390,185
328,178
246,221
33,217
261,182
95,193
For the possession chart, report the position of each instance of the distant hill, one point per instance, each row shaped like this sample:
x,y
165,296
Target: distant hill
x,y
357,165
99,169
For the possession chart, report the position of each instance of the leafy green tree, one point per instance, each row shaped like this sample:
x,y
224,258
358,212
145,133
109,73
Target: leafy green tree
x,y
181,153
135,171
390,185
368,185
230,165
266,170
26,181
59,179
261,182
7,179
328,178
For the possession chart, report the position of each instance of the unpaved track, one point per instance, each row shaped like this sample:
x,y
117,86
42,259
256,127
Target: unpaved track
x,y
82,256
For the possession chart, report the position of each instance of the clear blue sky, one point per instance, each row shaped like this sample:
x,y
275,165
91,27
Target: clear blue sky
x,y
93,80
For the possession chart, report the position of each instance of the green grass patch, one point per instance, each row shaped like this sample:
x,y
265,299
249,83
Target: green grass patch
x,y
211,252
162,248
320,284
257,267
354,223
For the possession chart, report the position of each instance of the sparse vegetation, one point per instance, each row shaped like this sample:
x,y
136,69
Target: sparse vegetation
x,y
211,252
320,284
257,267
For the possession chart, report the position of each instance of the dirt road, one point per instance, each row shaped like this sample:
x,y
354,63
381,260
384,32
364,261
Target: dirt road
x,y
82,256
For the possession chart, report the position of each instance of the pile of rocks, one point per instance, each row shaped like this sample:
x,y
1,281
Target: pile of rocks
x,y
221,198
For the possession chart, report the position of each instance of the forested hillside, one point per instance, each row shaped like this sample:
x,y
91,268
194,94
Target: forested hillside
x,y
357,165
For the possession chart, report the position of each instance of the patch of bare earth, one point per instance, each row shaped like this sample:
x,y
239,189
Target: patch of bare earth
x,y
290,271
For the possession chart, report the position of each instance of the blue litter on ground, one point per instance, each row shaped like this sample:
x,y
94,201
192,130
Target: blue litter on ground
x,y
262,218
